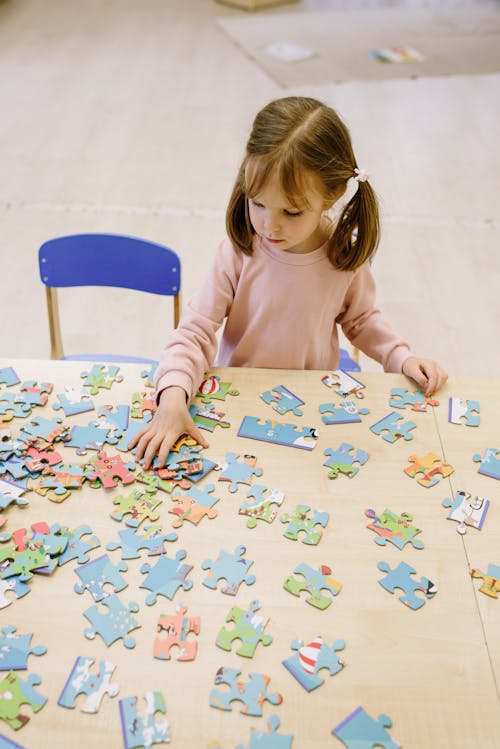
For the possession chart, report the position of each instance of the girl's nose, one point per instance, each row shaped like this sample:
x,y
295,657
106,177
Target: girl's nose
x,y
272,223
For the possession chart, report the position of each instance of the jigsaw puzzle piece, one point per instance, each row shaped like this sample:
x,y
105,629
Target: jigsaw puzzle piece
x,y
431,468
101,571
283,400
343,383
94,684
277,433
212,388
234,568
397,529
100,377
166,577
176,627
15,649
193,505
248,628
256,506
132,542
401,577
418,400
42,433
11,493
467,510
138,505
345,413
302,521
467,410
14,584
238,471
13,405
76,547
104,471
270,738
15,692
206,417
252,693
314,582
491,580
342,460
311,658
114,624
146,728
90,437
392,427
149,374
359,730
490,462
73,401
8,377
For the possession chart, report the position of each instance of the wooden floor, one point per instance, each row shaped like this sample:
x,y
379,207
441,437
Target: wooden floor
x,y
132,117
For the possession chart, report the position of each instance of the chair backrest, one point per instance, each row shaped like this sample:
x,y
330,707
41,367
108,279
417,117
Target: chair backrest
x,y
106,260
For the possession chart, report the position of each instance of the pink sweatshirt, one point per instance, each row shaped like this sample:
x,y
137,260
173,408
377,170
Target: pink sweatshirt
x,y
281,311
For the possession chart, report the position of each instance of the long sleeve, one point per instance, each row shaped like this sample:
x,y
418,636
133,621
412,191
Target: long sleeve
x,y
366,328
191,348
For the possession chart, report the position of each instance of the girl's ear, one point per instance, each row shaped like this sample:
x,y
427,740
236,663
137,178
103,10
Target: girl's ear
x,y
331,199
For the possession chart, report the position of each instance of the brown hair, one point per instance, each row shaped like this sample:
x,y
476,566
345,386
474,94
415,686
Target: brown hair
x,y
296,137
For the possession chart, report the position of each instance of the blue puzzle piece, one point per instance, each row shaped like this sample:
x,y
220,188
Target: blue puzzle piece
x,y
144,729
14,584
468,410
283,400
345,413
90,437
342,459
149,374
133,428
73,401
166,577
277,433
131,541
94,684
360,731
99,572
394,428
10,493
314,582
8,376
239,471
14,649
76,547
231,567
309,659
269,738
13,405
401,577
15,692
260,505
113,624
251,693
6,743
490,462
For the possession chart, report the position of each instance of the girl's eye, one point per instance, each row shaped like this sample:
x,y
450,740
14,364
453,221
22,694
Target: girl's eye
x,y
256,204
294,213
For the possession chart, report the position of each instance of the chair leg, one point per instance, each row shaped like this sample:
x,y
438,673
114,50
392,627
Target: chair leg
x,y
56,348
177,309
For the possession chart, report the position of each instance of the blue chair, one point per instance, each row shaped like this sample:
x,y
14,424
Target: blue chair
x,y
106,260
348,363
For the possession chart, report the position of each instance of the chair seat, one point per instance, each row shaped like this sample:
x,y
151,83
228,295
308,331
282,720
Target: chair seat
x,y
111,358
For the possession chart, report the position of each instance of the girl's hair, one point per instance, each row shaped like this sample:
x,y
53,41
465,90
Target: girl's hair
x,y
295,138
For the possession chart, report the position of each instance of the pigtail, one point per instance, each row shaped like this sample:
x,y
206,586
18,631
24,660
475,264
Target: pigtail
x,y
238,225
357,233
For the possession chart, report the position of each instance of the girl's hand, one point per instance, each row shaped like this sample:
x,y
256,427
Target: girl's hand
x,y
426,373
171,419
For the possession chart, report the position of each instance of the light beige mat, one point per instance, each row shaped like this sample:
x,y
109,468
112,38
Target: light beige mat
x,y
452,41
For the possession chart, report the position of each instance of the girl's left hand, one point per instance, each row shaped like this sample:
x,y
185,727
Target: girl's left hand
x,y
426,372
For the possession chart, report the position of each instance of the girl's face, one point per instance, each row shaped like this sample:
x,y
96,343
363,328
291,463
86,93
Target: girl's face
x,y
287,227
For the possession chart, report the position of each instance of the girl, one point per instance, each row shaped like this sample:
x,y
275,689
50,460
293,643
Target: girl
x,y
287,274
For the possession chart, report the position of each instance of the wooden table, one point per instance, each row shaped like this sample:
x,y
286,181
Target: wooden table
x,y
434,671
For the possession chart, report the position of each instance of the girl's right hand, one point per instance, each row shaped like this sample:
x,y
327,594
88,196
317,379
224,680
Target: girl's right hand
x,y
171,419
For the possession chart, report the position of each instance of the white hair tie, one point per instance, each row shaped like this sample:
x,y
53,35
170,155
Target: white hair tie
x,y
360,175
